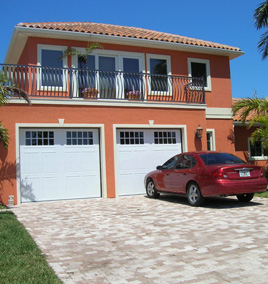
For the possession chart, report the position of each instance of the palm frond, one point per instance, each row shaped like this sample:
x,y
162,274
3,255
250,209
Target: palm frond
x,y
263,45
250,105
261,133
18,92
261,15
69,52
91,46
4,137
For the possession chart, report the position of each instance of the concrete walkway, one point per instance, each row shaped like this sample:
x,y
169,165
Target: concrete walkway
x,y
139,240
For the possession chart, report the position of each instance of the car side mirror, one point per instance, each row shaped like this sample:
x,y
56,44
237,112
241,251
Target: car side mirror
x,y
159,168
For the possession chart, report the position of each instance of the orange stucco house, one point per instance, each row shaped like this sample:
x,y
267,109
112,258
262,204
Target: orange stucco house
x,y
98,123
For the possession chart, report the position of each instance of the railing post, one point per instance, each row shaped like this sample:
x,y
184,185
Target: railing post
x,y
203,89
142,86
70,70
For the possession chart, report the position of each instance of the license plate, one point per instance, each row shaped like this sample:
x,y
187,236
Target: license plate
x,y
244,173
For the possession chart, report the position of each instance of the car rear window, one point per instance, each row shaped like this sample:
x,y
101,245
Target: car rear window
x,y
220,158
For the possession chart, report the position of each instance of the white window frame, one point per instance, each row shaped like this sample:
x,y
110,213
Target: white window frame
x,y
118,55
256,158
213,140
163,57
207,63
41,47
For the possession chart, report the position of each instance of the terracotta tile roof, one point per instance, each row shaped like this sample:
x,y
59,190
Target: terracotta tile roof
x,y
236,117
125,32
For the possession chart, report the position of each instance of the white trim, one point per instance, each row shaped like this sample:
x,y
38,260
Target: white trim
x,y
41,47
21,34
111,103
207,63
213,140
219,113
18,126
184,141
256,158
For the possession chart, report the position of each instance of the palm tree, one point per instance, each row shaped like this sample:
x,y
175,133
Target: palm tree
x,y
261,21
6,92
257,109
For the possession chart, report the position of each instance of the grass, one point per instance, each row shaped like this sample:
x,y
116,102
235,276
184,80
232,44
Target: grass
x,y
263,194
2,206
21,261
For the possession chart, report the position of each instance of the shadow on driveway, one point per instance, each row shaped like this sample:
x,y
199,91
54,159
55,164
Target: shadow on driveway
x,y
210,202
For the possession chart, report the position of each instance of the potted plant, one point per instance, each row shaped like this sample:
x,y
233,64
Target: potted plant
x,y
90,93
133,95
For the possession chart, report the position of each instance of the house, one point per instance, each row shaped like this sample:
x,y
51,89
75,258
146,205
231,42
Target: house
x,y
97,126
244,149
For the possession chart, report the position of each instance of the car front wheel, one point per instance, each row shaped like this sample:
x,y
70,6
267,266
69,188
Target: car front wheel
x,y
194,195
245,197
151,190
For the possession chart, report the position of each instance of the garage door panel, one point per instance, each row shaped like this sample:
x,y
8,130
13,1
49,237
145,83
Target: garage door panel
x,y
31,163
49,188
86,161
49,163
59,171
27,186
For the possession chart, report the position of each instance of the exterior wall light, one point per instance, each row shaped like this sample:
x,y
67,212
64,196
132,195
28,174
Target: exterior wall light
x,y
199,132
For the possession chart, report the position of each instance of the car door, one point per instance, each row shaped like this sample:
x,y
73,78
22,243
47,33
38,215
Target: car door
x,y
163,178
182,173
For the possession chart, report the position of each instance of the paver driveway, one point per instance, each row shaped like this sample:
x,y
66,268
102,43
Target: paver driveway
x,y
139,240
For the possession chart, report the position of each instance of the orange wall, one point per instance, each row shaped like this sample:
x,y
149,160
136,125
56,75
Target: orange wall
x,y
108,116
220,96
224,134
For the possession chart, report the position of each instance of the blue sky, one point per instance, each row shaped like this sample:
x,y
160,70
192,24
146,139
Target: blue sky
x,y
228,22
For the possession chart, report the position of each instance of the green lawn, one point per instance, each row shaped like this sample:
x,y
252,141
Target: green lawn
x,y
2,206
21,261
263,194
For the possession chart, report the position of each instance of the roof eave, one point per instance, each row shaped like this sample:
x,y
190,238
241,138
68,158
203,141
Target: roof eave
x,y
20,35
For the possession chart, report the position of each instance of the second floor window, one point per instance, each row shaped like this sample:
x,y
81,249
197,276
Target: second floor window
x,y
52,75
159,69
200,68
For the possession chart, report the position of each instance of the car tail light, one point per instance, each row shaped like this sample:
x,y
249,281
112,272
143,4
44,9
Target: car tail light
x,y
262,172
219,173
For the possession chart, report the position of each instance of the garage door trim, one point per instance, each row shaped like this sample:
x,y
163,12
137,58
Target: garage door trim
x,y
61,124
151,125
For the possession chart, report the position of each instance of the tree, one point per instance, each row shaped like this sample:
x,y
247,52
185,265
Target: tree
x,y
257,109
261,21
6,92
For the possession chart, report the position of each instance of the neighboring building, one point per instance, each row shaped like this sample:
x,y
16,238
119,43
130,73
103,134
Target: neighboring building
x,y
252,153
96,131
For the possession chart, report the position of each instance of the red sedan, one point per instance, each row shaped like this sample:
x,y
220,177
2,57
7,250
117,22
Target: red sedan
x,y
202,174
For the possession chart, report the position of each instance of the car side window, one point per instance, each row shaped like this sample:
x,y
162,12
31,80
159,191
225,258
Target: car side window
x,y
186,162
170,163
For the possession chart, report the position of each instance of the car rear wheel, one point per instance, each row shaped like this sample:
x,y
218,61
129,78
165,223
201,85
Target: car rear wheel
x,y
194,195
151,190
245,197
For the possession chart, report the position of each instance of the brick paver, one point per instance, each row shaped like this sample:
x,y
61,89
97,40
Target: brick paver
x,y
139,240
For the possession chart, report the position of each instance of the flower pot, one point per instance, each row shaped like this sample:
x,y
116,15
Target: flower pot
x,y
134,97
90,94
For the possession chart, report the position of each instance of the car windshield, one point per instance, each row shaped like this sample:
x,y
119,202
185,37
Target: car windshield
x,y
220,158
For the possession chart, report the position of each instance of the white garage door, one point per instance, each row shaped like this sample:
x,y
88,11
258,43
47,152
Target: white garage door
x,y
59,164
139,152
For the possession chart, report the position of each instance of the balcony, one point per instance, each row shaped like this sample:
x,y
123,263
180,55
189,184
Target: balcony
x,y
78,84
